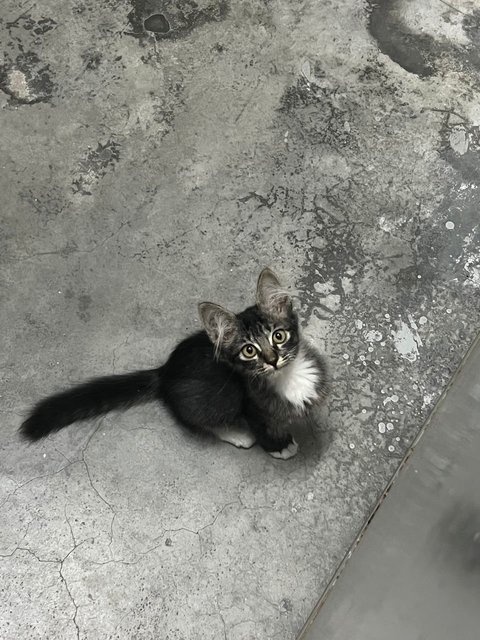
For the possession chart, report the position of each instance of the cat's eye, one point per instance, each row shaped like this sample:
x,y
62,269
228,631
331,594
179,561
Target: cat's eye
x,y
248,351
279,336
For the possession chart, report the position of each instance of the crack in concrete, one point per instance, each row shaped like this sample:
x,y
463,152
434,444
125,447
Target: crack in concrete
x,y
60,564
206,526
94,488
29,551
224,625
115,349
64,580
146,552
24,484
70,526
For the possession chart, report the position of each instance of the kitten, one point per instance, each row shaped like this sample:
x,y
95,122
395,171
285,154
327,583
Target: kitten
x,y
246,378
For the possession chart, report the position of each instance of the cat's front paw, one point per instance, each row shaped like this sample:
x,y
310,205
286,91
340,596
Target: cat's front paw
x,y
288,452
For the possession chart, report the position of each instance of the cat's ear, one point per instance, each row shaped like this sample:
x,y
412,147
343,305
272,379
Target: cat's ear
x,y
221,325
271,297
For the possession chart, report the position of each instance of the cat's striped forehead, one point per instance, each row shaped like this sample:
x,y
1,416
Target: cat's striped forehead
x,y
253,333
254,324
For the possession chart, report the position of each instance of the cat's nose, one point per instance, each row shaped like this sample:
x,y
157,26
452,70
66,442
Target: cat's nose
x,y
271,359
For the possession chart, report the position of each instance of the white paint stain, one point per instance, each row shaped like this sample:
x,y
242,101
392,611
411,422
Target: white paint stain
x,y
415,328
427,399
330,299
407,340
459,140
307,72
373,336
392,398
472,267
347,285
390,225
17,83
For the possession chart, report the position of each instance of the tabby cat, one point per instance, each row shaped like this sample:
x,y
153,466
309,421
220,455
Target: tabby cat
x,y
246,378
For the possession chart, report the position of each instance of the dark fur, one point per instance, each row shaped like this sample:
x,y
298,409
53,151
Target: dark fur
x,y
205,385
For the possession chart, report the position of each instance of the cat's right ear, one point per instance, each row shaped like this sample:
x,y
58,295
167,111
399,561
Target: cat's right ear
x,y
220,324
271,297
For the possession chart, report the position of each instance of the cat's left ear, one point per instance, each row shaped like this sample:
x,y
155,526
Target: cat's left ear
x,y
271,297
221,325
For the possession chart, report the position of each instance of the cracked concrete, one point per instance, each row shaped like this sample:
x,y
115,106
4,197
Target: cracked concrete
x,y
144,169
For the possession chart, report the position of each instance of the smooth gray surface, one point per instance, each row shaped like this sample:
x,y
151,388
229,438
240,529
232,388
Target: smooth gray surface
x,y
416,572
140,175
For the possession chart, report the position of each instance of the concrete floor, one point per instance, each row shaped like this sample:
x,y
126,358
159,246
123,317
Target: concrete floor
x,y
142,172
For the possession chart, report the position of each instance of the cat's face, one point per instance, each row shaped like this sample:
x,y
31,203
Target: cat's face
x,y
260,340
263,344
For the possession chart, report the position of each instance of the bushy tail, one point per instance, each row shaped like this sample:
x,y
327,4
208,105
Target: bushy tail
x,y
93,398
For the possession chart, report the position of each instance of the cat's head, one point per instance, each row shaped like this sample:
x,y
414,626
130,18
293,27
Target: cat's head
x,y
260,340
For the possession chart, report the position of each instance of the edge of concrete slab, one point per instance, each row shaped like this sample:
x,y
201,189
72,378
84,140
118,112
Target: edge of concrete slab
x,y
341,567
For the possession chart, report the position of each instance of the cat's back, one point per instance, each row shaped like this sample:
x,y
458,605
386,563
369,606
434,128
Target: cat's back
x,y
197,388
195,356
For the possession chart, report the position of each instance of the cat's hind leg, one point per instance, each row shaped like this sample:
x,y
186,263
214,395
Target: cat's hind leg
x,y
237,434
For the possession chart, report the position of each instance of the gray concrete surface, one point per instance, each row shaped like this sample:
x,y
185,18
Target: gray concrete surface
x,y
140,172
416,572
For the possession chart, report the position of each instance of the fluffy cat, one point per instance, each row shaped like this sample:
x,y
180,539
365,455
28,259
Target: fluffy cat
x,y
246,378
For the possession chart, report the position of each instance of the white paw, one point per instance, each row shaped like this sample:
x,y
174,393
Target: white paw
x,y
243,440
286,453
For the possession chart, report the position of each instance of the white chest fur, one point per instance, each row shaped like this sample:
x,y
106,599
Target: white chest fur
x,y
297,382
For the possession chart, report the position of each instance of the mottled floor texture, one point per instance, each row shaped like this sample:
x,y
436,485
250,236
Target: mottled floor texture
x,y
155,153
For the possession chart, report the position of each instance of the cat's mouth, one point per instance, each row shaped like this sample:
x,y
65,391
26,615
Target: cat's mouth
x,y
271,369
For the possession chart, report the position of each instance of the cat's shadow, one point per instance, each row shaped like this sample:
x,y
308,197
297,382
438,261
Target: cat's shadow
x,y
314,435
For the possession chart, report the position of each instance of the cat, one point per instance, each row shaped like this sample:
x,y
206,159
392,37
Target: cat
x,y
246,378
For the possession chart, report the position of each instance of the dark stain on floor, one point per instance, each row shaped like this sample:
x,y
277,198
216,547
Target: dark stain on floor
x,y
26,79
168,19
471,27
412,51
37,27
157,23
318,116
417,52
24,75
84,303
95,165
92,60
